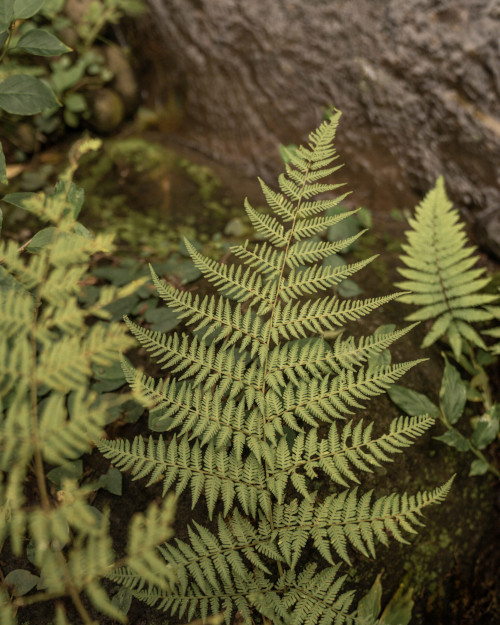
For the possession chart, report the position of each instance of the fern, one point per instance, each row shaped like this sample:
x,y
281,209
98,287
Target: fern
x,y
49,417
244,399
441,276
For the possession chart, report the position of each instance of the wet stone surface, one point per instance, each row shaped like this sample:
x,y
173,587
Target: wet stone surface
x,y
419,85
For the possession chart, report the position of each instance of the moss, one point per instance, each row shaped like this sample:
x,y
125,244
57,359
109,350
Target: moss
x,y
150,197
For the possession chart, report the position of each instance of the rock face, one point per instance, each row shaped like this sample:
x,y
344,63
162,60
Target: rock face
x,y
418,82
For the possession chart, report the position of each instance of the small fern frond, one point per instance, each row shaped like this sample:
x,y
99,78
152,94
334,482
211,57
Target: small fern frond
x,y
194,358
234,283
207,416
439,273
306,228
334,396
263,258
266,225
66,435
348,353
146,531
314,597
17,313
347,519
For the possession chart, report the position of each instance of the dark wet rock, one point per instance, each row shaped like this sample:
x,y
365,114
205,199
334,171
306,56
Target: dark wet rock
x,y
419,85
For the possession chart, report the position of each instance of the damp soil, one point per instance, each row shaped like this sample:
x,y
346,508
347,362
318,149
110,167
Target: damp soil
x,y
453,563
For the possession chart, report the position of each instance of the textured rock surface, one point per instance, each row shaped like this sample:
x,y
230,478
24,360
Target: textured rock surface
x,y
418,82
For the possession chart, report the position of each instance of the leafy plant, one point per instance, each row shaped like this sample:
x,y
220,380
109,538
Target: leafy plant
x,y
34,27
20,92
446,286
255,405
49,416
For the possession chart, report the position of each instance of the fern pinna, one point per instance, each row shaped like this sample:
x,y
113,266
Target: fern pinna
x,y
257,403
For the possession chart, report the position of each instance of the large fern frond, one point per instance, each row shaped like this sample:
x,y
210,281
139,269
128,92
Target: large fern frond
x,y
243,401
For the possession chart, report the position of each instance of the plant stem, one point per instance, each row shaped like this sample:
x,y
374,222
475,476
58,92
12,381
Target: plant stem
x,y
5,46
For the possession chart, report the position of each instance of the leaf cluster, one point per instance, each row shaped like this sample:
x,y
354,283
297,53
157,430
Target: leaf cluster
x,y
49,415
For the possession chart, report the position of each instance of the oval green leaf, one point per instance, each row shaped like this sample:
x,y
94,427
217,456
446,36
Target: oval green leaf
x,y
478,467
22,580
411,402
453,394
6,14
25,95
26,8
41,43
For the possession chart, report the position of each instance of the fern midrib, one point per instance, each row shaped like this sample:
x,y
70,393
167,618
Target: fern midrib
x,y
281,278
437,265
271,324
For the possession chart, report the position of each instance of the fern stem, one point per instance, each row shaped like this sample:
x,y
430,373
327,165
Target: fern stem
x,y
273,309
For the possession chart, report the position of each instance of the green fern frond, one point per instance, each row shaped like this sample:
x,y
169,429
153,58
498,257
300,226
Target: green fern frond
x,y
263,258
346,519
315,597
66,436
244,400
439,273
17,312
206,416
333,396
235,283
306,228
266,225
348,353
209,365
216,317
